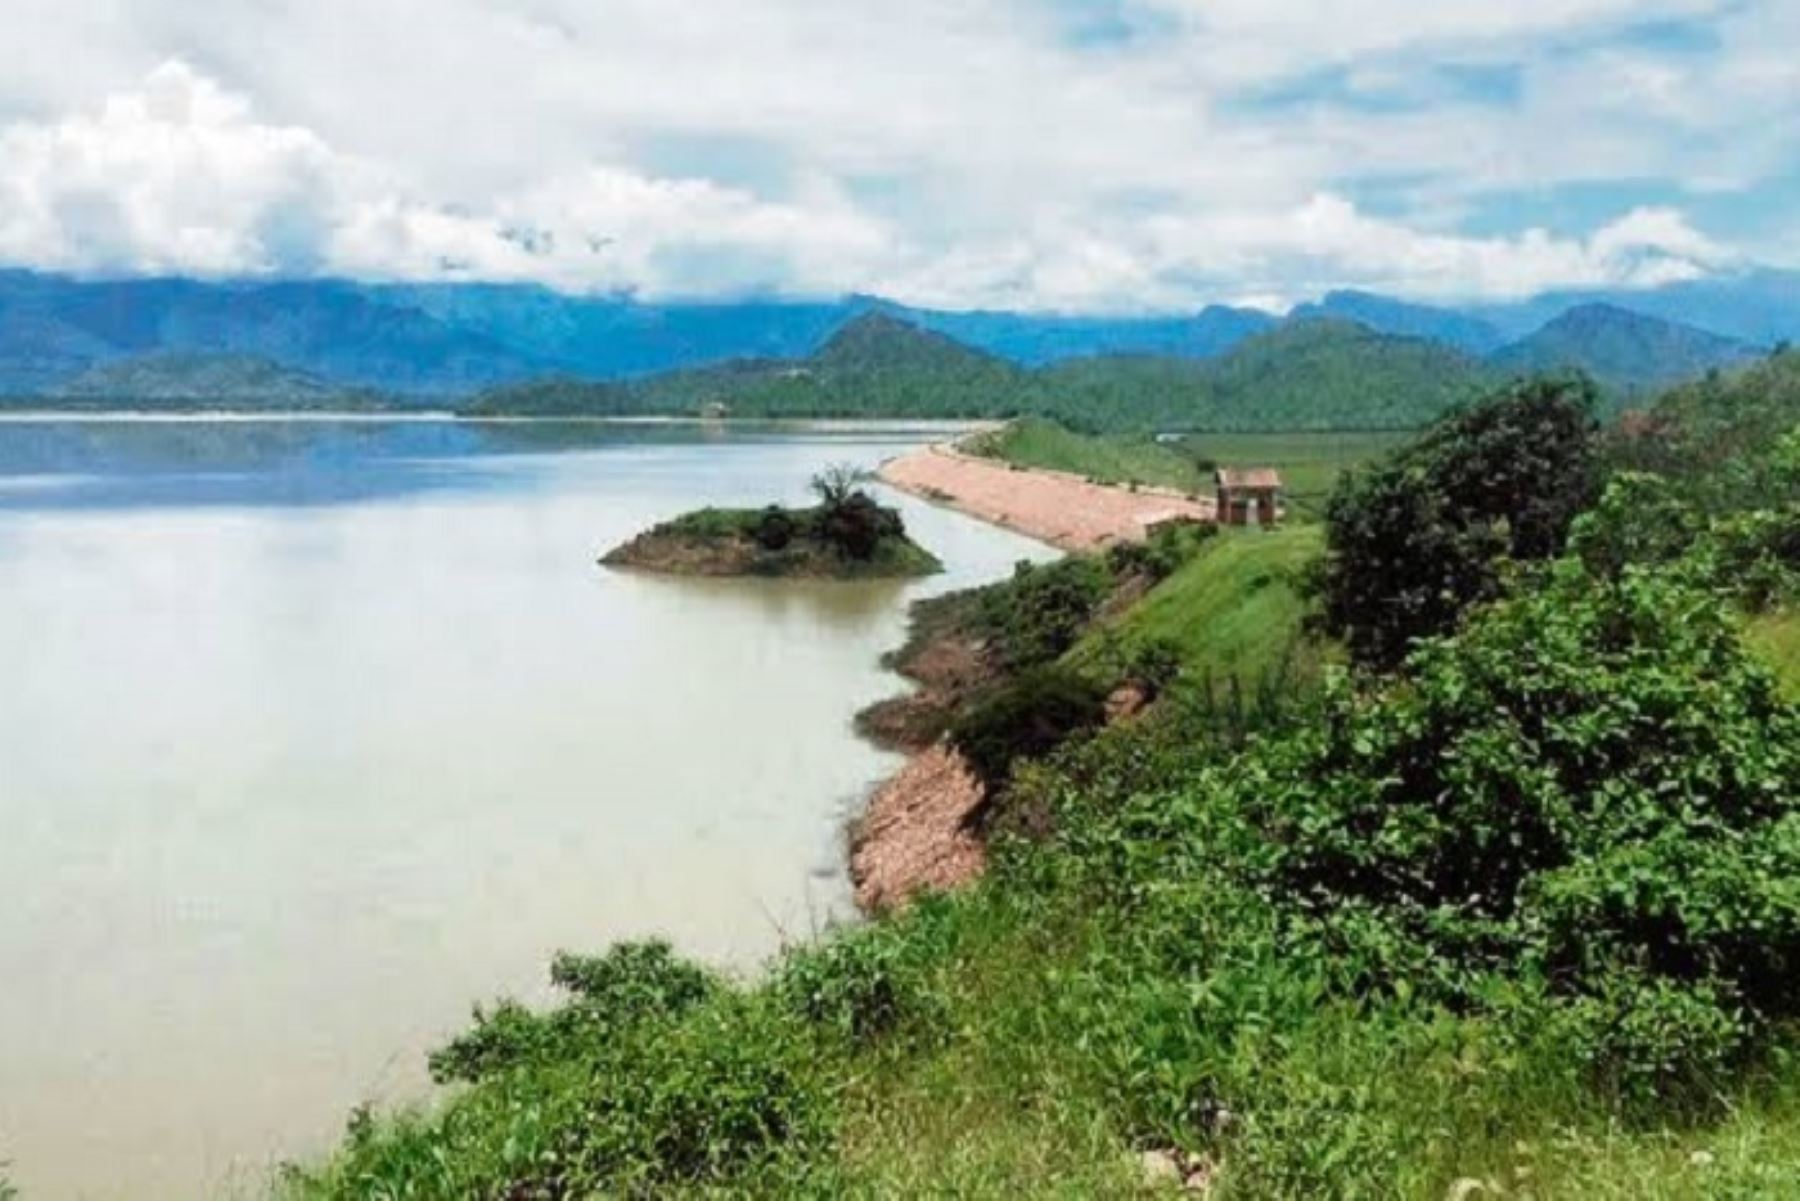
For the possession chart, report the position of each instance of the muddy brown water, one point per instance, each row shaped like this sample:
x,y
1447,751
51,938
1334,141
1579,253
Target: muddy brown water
x,y
314,733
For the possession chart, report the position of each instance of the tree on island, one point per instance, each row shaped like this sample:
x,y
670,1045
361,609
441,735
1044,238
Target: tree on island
x,y
836,484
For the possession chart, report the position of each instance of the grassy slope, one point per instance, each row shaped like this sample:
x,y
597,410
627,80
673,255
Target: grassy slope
x,y
1119,459
1235,609
1776,636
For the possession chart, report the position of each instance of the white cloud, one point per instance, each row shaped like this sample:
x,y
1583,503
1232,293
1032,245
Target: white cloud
x,y
180,176
1169,261
953,151
171,177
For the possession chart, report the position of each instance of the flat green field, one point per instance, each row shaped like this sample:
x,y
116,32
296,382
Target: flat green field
x,y
1107,459
1310,462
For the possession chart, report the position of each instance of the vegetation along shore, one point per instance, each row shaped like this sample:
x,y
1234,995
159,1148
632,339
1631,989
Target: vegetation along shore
x,y
1440,841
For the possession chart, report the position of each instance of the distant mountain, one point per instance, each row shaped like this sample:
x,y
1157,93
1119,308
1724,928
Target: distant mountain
x,y
440,341
1625,351
1335,374
38,351
1313,373
612,337
1036,339
181,380
879,343
1302,375
1472,335
52,329
1761,307
874,365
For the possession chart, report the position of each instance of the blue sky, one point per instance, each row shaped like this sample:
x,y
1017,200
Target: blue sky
x,y
1072,155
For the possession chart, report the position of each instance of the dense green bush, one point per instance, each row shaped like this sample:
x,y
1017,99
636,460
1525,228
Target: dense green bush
x,y
1027,717
868,982
1043,610
1415,540
631,983
1639,520
775,529
856,526
1592,785
1163,553
1711,438
684,1102
1750,553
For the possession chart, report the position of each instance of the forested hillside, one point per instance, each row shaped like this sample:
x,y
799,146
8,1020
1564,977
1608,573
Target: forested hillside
x,y
1308,375
1627,352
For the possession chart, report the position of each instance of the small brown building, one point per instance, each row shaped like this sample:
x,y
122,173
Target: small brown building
x,y
1249,496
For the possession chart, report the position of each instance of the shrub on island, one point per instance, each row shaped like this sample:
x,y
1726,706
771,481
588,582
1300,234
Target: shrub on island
x,y
847,535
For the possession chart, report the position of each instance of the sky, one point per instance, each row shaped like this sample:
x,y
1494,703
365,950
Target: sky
x,y
1103,156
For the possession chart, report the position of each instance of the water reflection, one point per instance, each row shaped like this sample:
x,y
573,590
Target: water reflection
x,y
112,462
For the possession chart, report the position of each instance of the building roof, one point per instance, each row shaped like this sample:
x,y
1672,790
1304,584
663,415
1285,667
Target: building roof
x,y
1249,477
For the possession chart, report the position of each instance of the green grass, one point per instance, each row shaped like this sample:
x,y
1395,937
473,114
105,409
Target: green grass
x,y
1107,459
1310,463
1776,636
1234,609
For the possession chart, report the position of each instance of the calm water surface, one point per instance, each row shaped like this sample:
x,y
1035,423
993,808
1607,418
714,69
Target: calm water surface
x,y
314,733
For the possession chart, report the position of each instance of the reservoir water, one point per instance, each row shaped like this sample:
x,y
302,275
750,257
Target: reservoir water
x,y
314,733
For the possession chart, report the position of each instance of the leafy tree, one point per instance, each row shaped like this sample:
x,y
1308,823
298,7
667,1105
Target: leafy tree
x,y
1418,538
836,484
856,526
1640,519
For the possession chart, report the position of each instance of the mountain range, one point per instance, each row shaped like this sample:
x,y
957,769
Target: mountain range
x,y
63,339
1307,374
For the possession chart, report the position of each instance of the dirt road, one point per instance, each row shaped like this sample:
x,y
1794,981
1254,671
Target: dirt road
x,y
1064,510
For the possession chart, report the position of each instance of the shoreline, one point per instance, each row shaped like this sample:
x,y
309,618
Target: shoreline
x,y
915,833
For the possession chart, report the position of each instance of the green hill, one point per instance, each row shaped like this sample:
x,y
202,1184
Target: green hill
x,y
1307,375
210,381
1624,351
1328,374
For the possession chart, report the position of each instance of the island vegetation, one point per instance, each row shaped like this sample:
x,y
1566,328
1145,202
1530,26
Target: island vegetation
x,y
1454,855
847,535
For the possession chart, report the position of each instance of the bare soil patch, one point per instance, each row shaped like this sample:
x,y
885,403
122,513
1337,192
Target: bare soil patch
x,y
1064,510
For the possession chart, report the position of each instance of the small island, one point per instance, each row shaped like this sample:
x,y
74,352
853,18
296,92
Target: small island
x,y
847,535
